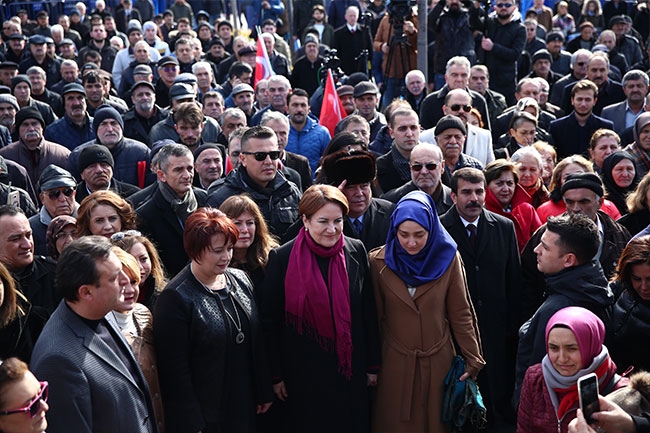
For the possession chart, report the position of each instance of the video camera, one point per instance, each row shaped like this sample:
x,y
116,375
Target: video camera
x,y
399,11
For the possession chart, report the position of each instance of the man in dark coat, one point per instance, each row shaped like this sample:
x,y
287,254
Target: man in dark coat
x,y
163,216
34,274
493,274
565,254
503,40
350,40
582,193
276,196
426,166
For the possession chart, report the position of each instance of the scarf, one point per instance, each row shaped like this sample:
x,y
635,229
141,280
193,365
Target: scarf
x,y
615,193
320,309
181,207
439,251
564,389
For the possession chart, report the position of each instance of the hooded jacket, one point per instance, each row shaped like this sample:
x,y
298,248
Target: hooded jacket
x,y
310,142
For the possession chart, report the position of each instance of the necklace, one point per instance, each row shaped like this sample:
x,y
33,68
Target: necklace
x,y
239,338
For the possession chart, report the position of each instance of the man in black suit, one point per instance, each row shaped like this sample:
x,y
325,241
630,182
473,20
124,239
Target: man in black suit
x,y
163,216
571,134
623,114
353,173
279,123
350,40
489,251
81,351
125,13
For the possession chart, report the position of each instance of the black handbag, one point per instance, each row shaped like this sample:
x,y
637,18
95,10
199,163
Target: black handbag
x,y
462,406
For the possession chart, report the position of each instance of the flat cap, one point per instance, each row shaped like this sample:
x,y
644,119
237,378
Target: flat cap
x,y
181,91
167,60
142,70
54,176
554,35
241,88
365,88
37,40
73,88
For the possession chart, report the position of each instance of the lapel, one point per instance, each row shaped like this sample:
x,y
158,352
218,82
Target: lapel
x,y
98,347
485,224
393,284
352,265
458,231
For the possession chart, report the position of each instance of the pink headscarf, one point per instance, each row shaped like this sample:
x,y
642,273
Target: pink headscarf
x,y
585,325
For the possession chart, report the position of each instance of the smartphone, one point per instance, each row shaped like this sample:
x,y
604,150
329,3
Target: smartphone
x,y
588,393
13,198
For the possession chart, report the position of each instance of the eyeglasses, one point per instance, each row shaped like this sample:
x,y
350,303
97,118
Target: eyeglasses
x,y
73,234
56,193
34,406
169,68
121,235
504,5
466,108
261,156
235,154
581,63
430,166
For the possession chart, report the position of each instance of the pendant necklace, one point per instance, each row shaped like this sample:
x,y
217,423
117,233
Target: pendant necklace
x,y
239,338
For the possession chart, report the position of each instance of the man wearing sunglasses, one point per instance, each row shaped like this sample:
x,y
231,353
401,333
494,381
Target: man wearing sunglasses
x,y
578,64
503,39
426,171
259,177
456,77
95,381
57,190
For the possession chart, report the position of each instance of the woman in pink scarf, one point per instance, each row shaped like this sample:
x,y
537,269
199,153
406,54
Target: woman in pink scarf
x,y
574,348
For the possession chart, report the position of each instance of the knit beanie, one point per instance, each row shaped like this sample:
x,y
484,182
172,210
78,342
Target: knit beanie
x,y
583,180
28,113
106,112
92,154
450,122
22,78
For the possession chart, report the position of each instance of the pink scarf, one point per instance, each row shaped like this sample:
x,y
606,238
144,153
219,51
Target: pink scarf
x,y
308,299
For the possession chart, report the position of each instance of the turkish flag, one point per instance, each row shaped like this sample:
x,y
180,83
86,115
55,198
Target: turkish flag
x,y
332,111
263,69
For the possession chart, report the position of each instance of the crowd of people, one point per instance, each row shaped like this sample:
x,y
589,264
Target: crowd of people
x,y
184,248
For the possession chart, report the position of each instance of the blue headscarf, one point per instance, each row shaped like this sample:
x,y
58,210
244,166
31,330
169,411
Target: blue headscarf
x,y
436,256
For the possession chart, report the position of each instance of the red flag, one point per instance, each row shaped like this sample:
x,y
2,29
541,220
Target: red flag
x,y
263,69
332,110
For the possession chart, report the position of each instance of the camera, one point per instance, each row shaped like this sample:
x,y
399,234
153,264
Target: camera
x,y
400,9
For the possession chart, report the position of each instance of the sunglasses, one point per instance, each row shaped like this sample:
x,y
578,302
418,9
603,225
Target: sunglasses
x,y
431,166
34,406
261,156
504,5
56,193
466,108
121,235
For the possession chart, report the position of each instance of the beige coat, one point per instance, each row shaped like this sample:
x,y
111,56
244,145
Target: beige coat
x,y
417,347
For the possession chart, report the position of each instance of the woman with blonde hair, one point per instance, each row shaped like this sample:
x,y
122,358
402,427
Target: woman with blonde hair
x,y
103,213
255,242
152,273
136,323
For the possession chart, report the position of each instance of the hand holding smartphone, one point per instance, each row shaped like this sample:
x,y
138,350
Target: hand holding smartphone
x,y
588,393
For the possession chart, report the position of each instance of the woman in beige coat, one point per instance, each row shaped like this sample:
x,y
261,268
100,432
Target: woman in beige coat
x,y
422,298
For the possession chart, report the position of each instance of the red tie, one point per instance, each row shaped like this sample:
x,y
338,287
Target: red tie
x,y
352,31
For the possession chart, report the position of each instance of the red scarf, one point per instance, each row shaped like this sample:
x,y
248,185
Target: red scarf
x,y
311,305
569,396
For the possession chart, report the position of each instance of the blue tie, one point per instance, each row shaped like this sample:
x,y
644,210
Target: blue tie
x,y
358,225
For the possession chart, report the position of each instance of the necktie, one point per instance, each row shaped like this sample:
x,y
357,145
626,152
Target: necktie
x,y
472,234
352,31
358,225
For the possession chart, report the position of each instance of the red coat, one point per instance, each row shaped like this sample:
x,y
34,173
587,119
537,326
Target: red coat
x,y
523,214
551,208
536,411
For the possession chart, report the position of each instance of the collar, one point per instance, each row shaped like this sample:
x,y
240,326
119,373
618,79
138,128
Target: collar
x,y
350,28
466,223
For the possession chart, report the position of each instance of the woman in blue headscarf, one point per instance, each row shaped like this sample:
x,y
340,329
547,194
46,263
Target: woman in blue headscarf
x,y
422,298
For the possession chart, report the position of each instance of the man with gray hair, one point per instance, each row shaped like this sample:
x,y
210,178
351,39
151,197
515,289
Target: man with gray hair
x,y
163,216
279,123
623,114
456,77
231,119
579,61
426,166
41,93
278,89
204,77
416,88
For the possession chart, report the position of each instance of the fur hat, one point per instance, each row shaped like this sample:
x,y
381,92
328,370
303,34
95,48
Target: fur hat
x,y
634,398
354,166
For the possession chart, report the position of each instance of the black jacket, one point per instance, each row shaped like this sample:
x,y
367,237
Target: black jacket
x,y
443,202
138,128
36,282
629,330
580,286
160,224
278,202
191,332
431,108
120,188
533,290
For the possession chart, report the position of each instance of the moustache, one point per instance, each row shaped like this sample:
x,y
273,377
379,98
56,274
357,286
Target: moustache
x,y
32,134
473,204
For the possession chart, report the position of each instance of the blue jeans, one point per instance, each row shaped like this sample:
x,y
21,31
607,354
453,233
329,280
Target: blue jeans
x,y
392,89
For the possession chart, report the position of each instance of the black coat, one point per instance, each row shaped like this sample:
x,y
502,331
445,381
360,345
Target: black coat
x,y
349,47
629,331
301,165
321,399
120,188
36,282
616,237
387,176
159,223
192,336
493,276
569,138
443,202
